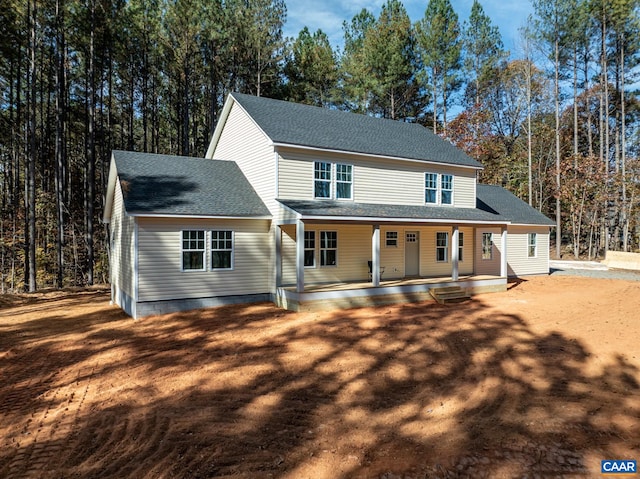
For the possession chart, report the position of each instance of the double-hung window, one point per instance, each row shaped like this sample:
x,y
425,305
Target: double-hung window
x,y
438,189
193,250
446,189
392,239
487,245
442,246
533,245
222,249
309,249
332,181
328,248
322,182
431,188
460,246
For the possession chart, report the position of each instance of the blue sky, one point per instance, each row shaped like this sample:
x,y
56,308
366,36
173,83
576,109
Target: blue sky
x,y
328,15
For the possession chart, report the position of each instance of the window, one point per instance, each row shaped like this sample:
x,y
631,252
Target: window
x,y
446,183
438,189
310,249
328,248
193,250
460,246
322,183
533,245
487,245
344,182
442,243
332,180
392,239
431,188
222,249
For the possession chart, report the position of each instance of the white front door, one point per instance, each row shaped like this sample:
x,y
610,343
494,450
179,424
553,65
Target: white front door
x,y
412,253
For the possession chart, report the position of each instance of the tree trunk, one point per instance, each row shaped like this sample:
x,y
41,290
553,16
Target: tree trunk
x,y
91,154
30,266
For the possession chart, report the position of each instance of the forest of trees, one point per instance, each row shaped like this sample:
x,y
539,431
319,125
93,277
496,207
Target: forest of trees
x,y
556,122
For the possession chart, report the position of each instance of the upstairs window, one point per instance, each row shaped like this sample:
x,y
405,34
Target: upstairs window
x,y
322,183
533,245
332,181
487,245
431,188
442,246
193,250
446,183
438,189
222,249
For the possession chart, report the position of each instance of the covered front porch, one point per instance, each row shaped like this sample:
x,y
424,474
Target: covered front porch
x,y
361,294
335,256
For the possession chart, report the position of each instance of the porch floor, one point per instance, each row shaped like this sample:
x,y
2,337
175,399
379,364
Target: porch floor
x,y
357,294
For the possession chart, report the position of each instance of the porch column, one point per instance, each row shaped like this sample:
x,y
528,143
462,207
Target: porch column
x,y
300,256
454,253
375,255
278,233
503,253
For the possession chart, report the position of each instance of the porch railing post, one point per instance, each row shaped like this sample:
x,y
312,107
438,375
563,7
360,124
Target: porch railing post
x,y
503,252
300,256
375,255
454,253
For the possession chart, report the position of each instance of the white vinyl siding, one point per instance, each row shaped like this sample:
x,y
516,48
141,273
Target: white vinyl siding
x,y
375,180
122,229
518,258
243,142
160,273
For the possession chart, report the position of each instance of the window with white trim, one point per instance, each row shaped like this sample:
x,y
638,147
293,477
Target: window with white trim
x,y
431,188
446,189
533,245
438,189
391,239
310,249
332,181
460,246
193,250
487,245
322,179
328,248
221,249
442,246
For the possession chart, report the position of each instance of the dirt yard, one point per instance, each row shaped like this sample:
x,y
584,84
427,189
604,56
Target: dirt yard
x,y
540,381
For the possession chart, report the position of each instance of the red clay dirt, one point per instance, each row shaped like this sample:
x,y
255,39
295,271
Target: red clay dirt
x,y
540,381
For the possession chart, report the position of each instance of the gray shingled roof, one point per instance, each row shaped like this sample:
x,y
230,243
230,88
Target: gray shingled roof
x,y
178,185
329,208
497,199
493,204
296,124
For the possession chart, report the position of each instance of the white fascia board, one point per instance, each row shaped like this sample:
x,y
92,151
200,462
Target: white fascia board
x,y
111,189
370,219
385,157
219,126
205,217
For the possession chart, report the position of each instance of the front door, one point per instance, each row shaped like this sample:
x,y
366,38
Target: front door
x,y
412,253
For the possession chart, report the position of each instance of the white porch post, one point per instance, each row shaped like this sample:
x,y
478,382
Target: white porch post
x,y
300,256
375,255
503,253
278,256
454,253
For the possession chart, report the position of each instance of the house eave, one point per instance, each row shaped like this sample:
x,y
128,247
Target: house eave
x,y
371,219
222,217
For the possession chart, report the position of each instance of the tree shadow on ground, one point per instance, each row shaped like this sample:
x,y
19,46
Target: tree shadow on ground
x,y
417,390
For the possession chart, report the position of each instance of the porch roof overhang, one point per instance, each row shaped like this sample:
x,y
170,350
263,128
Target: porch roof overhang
x,y
347,211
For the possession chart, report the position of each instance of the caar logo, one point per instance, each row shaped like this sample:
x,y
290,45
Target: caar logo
x,y
618,466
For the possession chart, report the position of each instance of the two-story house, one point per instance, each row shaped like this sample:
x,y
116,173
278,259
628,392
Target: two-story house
x,y
311,207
